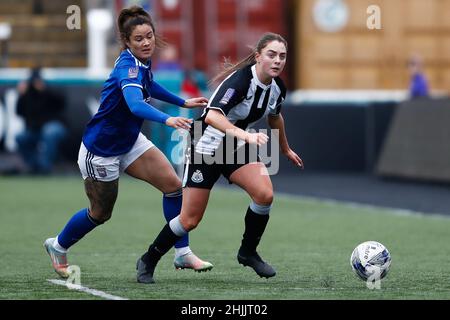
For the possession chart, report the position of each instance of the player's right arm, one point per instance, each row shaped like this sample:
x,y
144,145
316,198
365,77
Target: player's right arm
x,y
216,119
229,94
135,101
129,78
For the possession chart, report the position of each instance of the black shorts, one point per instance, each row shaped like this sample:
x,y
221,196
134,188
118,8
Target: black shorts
x,y
203,171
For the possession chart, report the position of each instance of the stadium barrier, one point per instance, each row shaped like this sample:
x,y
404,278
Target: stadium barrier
x,y
342,137
417,144
342,131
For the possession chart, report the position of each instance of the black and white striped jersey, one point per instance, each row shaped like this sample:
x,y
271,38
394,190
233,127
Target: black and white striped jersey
x,y
244,100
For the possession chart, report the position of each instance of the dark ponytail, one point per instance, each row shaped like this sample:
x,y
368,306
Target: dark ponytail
x,y
229,68
134,16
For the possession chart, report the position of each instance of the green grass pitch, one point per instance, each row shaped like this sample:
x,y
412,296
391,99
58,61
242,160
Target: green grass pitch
x,y
308,241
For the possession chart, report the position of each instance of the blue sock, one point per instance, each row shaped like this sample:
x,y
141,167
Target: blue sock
x,y
172,208
77,227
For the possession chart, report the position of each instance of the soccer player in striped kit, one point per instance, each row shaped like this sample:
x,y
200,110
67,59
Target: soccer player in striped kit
x,y
112,142
252,90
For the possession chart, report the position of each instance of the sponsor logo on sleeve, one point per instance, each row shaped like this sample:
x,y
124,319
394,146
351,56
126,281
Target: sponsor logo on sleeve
x,y
227,96
133,72
272,100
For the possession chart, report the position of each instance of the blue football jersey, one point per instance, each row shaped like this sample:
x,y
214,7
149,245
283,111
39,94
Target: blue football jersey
x,y
114,128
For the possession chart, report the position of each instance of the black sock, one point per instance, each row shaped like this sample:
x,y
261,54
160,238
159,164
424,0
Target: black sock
x,y
163,242
255,224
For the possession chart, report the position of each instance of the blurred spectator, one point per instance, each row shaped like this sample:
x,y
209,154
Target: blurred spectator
x,y
168,59
169,70
41,109
418,82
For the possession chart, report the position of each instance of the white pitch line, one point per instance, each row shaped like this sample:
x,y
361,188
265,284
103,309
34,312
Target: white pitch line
x,y
87,290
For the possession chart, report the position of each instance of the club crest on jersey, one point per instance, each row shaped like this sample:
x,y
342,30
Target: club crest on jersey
x,y
101,172
227,96
197,177
272,100
133,72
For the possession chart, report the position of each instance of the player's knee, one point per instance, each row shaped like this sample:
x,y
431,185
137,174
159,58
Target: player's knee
x,y
172,185
263,197
190,223
106,217
100,215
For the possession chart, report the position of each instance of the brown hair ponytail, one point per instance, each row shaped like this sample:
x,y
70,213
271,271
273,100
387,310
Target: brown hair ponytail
x,y
131,17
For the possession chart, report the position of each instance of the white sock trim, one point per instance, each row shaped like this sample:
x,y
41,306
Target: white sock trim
x,y
182,251
260,209
176,227
174,194
58,247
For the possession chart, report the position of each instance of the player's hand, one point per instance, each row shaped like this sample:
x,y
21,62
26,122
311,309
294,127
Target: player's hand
x,y
293,157
196,102
257,138
179,123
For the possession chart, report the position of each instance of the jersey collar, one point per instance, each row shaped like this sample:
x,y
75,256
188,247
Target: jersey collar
x,y
139,63
259,83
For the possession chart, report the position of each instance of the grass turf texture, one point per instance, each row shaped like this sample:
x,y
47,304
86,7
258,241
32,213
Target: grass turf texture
x,y
308,241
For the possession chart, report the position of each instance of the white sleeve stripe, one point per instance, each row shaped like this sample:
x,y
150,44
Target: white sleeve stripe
x,y
215,108
132,85
186,172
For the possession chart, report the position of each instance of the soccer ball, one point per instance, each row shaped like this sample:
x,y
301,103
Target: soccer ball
x,y
370,258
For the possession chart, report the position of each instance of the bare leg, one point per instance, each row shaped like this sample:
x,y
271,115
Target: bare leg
x,y
102,197
194,206
154,168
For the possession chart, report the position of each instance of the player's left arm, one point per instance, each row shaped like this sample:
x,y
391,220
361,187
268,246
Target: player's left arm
x,y
160,93
277,122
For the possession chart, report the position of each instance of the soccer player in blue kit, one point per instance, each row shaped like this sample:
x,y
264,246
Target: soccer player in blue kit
x,y
112,143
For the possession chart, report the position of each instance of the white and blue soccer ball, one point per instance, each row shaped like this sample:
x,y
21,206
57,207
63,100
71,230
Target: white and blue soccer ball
x,y
370,258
